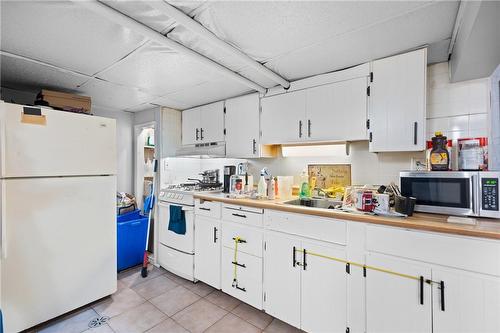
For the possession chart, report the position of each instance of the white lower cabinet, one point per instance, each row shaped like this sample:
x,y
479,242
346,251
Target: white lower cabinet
x,y
207,240
395,303
282,277
469,302
323,290
304,290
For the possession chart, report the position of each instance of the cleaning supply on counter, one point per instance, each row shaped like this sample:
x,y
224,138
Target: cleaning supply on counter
x,y
439,156
272,189
305,191
262,186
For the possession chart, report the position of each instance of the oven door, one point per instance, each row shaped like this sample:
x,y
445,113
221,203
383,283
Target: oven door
x,y
183,243
446,192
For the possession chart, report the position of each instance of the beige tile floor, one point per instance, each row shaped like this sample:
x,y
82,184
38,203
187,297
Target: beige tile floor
x,y
166,303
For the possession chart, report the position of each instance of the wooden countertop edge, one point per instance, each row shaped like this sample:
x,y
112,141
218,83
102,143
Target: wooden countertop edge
x,y
426,222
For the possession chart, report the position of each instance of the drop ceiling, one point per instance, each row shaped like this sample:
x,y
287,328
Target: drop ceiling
x,y
62,45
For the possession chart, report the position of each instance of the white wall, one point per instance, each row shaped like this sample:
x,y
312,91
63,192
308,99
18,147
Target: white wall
x,y
457,109
124,140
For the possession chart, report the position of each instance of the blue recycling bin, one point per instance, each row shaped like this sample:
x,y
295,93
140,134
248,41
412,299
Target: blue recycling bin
x,y
131,238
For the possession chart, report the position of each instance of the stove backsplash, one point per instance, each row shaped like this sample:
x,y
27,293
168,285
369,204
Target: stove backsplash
x,y
175,170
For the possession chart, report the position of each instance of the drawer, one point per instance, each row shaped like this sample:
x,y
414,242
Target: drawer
x,y
249,277
252,237
243,215
320,228
208,208
473,254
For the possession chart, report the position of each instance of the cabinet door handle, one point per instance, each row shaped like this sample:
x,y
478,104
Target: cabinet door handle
x,y
254,146
421,285
240,215
309,127
201,133
304,264
300,128
415,129
294,259
203,208
242,289
441,287
238,264
197,134
215,235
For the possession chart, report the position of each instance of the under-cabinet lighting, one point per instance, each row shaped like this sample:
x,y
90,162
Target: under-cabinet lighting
x,y
340,150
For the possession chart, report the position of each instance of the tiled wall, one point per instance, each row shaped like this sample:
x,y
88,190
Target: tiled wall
x,y
459,109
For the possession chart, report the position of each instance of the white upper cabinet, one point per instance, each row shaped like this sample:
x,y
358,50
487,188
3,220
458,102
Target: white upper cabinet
x,y
398,103
242,127
283,118
337,112
212,122
203,124
191,126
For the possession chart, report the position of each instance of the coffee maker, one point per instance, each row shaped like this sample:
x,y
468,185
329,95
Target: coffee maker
x,y
229,170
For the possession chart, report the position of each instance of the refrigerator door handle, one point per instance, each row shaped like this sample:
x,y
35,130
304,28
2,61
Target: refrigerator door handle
x,y
3,226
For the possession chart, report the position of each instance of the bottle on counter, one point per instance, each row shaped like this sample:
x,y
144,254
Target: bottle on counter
x,y
262,186
305,191
439,156
272,189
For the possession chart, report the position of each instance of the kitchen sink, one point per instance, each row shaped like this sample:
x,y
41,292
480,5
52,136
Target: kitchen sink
x,y
315,203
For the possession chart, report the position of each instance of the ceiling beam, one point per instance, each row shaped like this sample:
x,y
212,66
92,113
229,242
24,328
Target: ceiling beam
x,y
195,27
151,34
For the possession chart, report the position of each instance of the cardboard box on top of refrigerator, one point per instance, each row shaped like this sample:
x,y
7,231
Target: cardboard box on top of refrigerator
x,y
66,101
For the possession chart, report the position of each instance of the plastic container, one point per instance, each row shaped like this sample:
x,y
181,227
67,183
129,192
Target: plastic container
x,y
131,239
285,187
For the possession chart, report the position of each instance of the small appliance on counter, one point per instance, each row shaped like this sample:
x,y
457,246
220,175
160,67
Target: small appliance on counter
x,y
462,193
229,170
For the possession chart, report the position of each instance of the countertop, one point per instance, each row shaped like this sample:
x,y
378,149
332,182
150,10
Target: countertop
x,y
485,228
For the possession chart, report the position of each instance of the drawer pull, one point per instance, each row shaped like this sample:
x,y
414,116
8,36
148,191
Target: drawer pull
x,y
239,240
238,264
304,264
215,235
240,215
203,208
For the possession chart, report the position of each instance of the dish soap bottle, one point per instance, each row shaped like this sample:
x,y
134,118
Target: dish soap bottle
x,y
439,156
304,186
262,186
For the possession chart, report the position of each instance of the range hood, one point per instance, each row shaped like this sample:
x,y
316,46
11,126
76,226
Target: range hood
x,y
209,149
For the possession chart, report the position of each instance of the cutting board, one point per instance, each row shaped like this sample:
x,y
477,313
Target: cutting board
x,y
328,175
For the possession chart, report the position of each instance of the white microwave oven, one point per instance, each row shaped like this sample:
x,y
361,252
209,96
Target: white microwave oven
x,y
469,193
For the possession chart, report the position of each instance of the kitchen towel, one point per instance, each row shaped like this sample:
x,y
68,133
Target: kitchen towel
x,y
177,222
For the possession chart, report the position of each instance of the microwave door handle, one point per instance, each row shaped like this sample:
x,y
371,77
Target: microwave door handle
x,y
474,203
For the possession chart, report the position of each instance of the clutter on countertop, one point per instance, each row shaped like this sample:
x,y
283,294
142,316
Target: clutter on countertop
x,y
125,202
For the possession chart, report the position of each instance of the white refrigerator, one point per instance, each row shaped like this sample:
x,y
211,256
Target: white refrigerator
x,y
57,204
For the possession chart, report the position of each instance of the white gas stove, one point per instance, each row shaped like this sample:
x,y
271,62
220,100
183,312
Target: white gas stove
x,y
182,194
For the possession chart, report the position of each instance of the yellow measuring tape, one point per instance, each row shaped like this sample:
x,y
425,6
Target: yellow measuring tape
x,y
235,260
360,265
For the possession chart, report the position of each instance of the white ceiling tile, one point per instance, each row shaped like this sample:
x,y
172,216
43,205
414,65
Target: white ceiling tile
x,y
171,103
424,26
64,34
207,92
110,95
159,70
21,74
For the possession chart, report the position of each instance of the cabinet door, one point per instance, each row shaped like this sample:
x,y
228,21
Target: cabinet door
x,y
282,278
471,302
397,102
212,122
337,112
191,126
324,290
283,118
242,127
393,303
207,240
